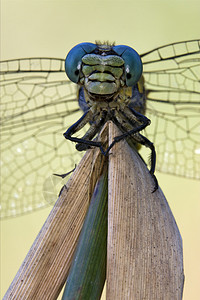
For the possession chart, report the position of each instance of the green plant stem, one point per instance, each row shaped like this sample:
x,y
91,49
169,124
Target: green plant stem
x,y
88,270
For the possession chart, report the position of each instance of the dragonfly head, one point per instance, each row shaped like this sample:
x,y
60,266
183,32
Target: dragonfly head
x,y
103,69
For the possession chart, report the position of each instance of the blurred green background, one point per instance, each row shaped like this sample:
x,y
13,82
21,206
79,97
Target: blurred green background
x,y
51,28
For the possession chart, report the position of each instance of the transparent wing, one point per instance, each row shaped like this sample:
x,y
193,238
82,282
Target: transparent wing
x,y
172,77
38,104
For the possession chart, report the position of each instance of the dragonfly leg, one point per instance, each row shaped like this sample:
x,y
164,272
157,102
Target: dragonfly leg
x,y
66,174
125,122
85,142
92,131
144,141
129,124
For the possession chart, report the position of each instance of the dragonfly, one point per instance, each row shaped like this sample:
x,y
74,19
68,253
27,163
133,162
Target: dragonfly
x,y
38,104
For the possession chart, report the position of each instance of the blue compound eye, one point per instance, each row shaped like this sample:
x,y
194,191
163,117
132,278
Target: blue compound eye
x,y
133,63
73,59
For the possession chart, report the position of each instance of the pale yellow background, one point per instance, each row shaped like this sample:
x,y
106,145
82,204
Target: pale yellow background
x,y
51,28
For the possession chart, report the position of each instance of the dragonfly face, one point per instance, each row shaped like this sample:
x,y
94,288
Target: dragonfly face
x,y
103,69
37,103
104,72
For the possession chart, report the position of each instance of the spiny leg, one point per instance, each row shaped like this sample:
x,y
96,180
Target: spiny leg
x,y
77,126
123,121
139,138
121,118
86,118
91,132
